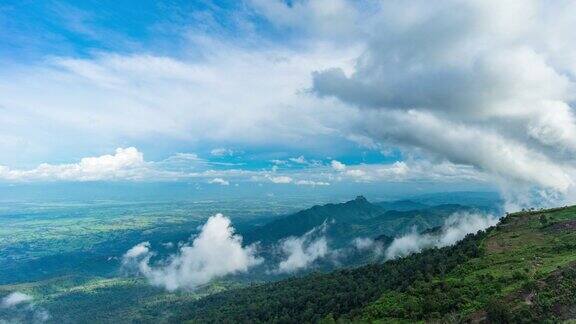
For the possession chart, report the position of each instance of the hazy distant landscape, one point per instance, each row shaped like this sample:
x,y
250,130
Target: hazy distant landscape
x,y
287,161
69,256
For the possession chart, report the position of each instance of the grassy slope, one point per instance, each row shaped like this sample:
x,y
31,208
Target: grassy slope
x,y
517,274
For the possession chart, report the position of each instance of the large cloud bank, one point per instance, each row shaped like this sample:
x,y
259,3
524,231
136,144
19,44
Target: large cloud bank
x,y
483,83
214,253
455,228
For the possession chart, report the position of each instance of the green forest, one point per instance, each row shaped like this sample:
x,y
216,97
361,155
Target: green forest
x,y
522,270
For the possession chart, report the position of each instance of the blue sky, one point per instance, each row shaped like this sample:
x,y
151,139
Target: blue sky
x,y
299,93
36,34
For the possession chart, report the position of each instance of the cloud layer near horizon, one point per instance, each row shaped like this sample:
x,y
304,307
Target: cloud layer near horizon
x,y
483,85
128,164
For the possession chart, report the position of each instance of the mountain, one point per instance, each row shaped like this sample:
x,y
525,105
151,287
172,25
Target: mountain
x,y
402,205
488,200
353,211
522,270
355,218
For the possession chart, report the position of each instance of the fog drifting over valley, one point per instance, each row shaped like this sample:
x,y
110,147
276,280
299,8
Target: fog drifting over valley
x,y
217,251
455,228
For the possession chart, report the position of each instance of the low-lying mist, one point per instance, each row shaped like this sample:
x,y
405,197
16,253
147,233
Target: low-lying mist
x,y
455,228
217,251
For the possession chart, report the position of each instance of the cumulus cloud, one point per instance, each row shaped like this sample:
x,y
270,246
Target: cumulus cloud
x,y
220,181
216,252
301,252
479,83
455,228
124,164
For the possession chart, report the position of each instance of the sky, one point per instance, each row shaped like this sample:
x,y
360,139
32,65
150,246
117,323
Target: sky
x,y
305,94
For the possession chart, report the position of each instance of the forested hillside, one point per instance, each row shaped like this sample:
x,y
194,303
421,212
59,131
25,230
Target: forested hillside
x,y
356,218
81,287
522,269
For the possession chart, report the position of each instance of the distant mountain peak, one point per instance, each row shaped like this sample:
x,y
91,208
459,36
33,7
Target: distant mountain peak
x,y
361,199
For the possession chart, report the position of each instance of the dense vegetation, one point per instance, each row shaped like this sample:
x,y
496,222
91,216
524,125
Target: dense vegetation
x,y
341,293
520,271
523,270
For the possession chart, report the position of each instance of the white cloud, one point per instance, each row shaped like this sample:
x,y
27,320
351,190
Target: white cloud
x,y
368,244
222,152
477,88
486,93
214,253
301,252
124,164
299,160
137,251
363,243
280,179
25,308
326,19
311,183
455,228
337,165
183,100
279,162
128,164
358,174
15,298
185,157
220,181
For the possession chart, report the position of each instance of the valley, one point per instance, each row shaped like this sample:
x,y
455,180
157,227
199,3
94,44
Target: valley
x,y
83,272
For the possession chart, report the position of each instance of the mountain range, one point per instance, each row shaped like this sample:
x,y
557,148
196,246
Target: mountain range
x,y
356,218
521,271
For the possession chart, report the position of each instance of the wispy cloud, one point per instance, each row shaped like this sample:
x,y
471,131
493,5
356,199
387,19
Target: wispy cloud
x,y
301,252
311,183
23,309
15,298
455,228
220,181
